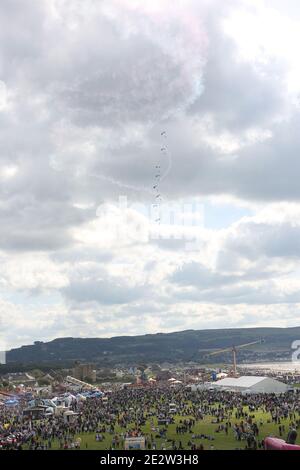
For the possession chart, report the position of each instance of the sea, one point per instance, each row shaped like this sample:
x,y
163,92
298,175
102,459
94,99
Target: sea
x,y
273,366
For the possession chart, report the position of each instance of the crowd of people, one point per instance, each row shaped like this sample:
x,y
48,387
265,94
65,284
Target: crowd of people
x,y
127,411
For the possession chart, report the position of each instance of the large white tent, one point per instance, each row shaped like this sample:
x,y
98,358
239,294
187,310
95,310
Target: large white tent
x,y
251,384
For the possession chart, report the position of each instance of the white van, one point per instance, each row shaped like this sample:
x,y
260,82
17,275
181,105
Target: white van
x,y
172,408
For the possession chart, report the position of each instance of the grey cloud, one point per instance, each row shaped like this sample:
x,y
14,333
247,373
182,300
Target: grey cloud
x,y
75,253
29,225
103,291
105,71
87,104
197,274
91,282
254,240
237,94
172,244
247,294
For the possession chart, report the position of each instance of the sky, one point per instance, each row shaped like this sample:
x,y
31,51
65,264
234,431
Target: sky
x,y
94,96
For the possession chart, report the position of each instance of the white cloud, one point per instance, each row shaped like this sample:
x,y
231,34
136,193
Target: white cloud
x,y
3,96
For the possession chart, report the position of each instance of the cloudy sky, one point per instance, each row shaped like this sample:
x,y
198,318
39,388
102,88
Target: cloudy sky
x,y
86,89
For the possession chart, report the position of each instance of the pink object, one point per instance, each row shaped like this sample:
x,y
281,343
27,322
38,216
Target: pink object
x,y
272,443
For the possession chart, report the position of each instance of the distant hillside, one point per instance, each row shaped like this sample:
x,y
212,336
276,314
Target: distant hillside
x,y
187,345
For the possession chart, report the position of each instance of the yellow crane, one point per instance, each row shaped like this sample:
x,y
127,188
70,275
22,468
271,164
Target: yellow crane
x,y
234,349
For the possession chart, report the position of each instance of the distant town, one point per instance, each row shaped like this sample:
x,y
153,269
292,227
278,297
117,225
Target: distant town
x,y
153,406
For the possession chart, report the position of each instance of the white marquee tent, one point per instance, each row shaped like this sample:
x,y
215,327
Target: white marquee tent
x,y
251,384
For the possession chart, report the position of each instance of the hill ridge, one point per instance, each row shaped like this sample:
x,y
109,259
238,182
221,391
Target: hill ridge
x,y
161,347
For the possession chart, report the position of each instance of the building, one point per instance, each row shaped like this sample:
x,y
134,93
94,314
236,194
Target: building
x,y
141,378
17,378
70,417
76,384
135,443
35,412
84,372
251,384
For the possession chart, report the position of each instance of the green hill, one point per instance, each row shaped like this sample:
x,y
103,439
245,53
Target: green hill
x,y
171,347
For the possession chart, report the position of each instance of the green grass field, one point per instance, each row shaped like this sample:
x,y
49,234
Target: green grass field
x,y
221,442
